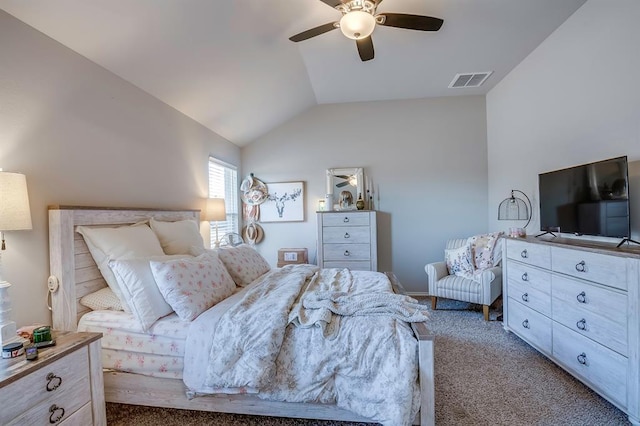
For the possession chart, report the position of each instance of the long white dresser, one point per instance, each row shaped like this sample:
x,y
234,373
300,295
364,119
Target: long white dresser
x,y
348,239
578,303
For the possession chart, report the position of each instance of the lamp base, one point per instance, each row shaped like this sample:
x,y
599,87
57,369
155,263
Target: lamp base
x,y
8,333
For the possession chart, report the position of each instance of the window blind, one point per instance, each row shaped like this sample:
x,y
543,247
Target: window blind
x,y
223,183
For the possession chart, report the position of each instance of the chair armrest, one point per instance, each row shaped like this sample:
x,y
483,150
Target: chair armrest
x,y
491,281
435,271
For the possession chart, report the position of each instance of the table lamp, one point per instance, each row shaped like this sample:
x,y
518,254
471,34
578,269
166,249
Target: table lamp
x,y
216,212
15,215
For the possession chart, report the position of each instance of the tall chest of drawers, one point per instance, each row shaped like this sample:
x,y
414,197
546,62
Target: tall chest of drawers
x,y
580,306
348,240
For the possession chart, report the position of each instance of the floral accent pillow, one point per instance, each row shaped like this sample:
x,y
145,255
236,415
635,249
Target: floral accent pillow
x,y
244,263
191,286
485,250
459,261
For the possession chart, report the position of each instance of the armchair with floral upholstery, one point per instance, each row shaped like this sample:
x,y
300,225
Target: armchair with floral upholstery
x,y
470,272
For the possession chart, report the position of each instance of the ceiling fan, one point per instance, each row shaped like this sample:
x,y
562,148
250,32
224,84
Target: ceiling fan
x,y
359,19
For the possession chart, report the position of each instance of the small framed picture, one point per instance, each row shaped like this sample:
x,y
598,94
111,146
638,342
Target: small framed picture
x,y
285,202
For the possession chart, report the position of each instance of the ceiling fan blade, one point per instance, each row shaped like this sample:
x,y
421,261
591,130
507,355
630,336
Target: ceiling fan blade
x,y
313,32
411,22
341,184
332,3
365,48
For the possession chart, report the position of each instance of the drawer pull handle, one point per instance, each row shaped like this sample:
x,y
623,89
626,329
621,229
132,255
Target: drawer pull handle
x,y
582,297
57,413
582,358
346,219
346,253
525,277
346,235
525,323
582,324
581,267
53,382
524,254
525,297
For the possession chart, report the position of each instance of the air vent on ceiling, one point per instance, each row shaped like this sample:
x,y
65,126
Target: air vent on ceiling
x,y
471,79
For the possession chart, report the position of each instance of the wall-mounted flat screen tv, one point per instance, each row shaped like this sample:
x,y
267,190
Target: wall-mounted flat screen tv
x,y
590,199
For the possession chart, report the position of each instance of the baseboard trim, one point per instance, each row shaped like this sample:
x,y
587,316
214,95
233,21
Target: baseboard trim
x,y
418,293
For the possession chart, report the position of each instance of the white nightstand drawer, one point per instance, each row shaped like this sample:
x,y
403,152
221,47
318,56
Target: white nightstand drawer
x,y
608,270
345,219
532,326
58,378
58,407
346,235
602,368
532,254
346,252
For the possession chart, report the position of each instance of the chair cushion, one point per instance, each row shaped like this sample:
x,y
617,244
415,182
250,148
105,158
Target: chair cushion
x,y
459,288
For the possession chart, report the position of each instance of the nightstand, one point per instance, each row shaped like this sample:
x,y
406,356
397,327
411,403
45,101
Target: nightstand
x,y
63,386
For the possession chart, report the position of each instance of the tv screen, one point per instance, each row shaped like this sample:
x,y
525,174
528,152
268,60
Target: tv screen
x,y
590,199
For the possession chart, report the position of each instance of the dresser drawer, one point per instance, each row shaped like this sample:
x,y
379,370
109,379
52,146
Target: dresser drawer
x,y
354,266
532,254
52,381
532,326
593,311
604,369
346,252
58,408
347,235
600,268
345,219
84,416
533,297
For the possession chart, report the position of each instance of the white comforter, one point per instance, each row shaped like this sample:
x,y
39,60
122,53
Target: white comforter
x,y
249,343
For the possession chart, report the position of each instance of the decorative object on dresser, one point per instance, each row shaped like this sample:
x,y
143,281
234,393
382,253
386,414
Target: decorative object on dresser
x,y
348,240
15,215
470,272
515,208
64,385
578,303
350,180
216,212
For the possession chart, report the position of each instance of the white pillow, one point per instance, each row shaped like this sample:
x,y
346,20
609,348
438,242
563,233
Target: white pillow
x,y
459,261
193,285
103,299
177,237
244,263
123,242
138,286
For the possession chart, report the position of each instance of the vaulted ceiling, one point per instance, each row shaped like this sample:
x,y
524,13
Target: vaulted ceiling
x,y
230,65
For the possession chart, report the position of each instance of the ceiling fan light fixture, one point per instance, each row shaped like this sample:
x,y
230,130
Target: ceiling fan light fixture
x,y
357,24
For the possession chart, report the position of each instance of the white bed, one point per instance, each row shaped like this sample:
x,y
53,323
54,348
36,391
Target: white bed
x,y
77,274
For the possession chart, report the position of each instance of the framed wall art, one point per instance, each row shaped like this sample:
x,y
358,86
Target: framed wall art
x,y
285,202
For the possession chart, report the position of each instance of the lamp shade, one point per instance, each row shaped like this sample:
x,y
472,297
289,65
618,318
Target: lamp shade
x,y
15,214
357,24
215,210
514,208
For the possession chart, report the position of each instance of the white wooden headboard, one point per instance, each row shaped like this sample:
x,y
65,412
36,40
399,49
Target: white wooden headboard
x,y
71,264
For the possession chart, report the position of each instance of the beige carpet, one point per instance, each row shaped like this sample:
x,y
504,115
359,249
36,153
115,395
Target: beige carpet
x,y
484,376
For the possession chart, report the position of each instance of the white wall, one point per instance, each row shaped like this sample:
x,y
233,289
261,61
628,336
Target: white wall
x,y
427,159
83,136
573,100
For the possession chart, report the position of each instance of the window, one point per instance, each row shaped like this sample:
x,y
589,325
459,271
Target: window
x,y
223,183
